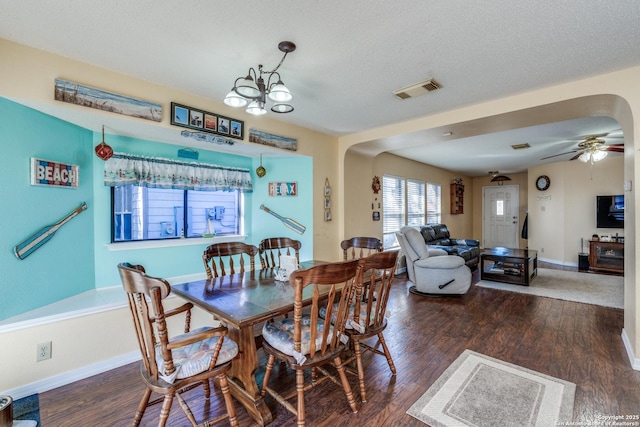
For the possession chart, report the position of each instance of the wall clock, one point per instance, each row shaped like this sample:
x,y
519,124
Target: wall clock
x,y
542,182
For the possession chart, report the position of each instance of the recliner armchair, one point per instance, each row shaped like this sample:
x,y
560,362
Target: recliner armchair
x,y
433,271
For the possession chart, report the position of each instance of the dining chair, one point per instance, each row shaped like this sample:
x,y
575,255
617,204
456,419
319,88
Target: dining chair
x,y
359,247
270,250
221,254
369,317
172,366
306,341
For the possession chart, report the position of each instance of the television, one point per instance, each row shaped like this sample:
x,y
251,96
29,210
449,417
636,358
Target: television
x,y
610,211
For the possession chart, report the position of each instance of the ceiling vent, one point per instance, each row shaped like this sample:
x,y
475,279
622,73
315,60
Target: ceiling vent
x,y
417,89
521,146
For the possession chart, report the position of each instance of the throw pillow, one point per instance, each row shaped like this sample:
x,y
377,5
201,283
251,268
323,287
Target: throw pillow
x,y
461,242
417,243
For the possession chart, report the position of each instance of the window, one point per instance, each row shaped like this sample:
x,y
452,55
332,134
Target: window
x,y
143,213
393,208
155,198
415,202
434,204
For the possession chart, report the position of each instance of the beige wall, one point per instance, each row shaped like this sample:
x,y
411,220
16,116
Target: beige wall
x,y
565,213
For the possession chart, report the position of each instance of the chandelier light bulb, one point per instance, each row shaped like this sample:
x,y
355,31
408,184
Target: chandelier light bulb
x,y
256,108
234,100
280,93
599,155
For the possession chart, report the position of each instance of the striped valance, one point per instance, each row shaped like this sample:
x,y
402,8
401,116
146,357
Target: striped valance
x,y
123,169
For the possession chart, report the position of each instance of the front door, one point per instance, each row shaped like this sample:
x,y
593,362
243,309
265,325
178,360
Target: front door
x,y
500,216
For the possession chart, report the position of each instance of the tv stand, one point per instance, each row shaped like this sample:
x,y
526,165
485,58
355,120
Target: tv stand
x,y
606,256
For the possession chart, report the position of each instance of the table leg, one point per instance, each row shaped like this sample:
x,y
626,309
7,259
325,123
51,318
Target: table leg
x,y
242,377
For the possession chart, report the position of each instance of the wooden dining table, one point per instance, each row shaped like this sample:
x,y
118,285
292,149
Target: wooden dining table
x,y
241,302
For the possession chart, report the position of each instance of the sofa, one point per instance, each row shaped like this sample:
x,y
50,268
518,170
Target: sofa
x,y
438,236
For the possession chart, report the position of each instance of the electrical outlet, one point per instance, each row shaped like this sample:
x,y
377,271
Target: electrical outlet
x,y
43,351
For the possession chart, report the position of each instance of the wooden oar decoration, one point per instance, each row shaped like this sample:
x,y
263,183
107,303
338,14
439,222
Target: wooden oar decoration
x,y
42,236
294,225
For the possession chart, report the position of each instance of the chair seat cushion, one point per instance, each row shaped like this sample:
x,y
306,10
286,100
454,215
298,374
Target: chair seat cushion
x,y
193,359
279,335
448,261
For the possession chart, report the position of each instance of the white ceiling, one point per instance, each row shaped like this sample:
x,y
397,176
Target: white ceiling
x,y
352,55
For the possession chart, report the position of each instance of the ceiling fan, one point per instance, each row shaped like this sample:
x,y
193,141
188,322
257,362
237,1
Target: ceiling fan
x,y
592,149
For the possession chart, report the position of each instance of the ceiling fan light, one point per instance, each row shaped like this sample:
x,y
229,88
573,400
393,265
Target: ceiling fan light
x,y
256,108
599,155
282,108
234,100
279,93
585,157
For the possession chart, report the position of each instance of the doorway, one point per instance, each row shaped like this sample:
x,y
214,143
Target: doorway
x,y
500,216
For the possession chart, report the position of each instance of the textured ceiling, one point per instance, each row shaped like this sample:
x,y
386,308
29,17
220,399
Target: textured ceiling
x,y
350,56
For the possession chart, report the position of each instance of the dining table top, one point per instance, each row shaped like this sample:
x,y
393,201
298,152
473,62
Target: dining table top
x,y
243,299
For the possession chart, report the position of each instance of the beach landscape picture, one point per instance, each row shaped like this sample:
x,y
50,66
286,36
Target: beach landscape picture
x,y
265,138
86,96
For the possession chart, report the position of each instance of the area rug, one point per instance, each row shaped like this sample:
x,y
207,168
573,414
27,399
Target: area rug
x,y
26,411
480,391
588,288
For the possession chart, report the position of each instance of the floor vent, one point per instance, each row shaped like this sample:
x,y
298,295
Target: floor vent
x,y
417,89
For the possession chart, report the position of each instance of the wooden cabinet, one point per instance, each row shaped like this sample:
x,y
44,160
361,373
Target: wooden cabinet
x,y
606,256
457,199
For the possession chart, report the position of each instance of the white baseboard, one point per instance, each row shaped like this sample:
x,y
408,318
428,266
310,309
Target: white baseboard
x,y
71,376
635,363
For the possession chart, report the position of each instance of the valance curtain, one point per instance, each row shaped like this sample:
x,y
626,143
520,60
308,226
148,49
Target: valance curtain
x,y
123,169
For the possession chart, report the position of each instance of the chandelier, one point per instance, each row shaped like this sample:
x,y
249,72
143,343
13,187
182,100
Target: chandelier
x,y
253,90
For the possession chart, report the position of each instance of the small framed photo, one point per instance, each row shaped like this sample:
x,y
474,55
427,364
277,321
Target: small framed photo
x,y
196,118
223,125
211,122
236,129
180,116
375,216
327,215
327,202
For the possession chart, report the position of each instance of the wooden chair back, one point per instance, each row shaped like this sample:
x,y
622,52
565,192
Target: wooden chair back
x,y
271,249
360,247
221,255
378,271
145,295
341,279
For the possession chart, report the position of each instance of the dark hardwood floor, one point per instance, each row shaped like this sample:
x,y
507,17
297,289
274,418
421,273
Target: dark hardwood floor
x,y
577,342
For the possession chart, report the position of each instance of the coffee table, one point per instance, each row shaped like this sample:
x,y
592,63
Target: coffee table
x,y
517,266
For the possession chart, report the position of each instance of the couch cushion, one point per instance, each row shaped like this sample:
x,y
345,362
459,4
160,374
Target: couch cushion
x,y
416,241
442,232
428,234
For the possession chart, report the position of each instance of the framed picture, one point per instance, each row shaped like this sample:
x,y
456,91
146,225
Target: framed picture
x,y
180,116
327,202
236,128
194,118
223,125
211,122
327,215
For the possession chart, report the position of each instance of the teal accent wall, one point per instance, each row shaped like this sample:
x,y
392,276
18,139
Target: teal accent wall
x,y
64,266
300,208
78,259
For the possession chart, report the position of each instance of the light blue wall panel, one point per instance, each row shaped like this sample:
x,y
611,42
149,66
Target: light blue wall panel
x,y
64,265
